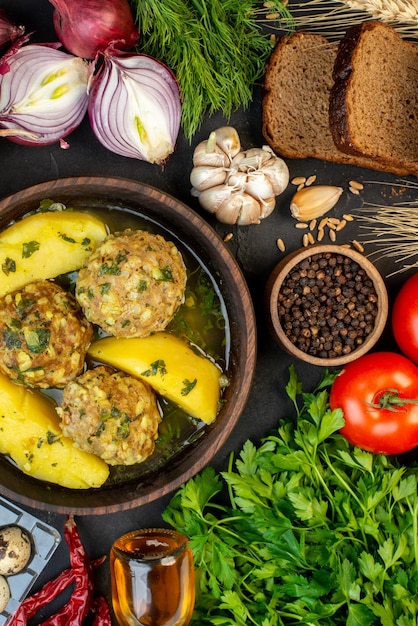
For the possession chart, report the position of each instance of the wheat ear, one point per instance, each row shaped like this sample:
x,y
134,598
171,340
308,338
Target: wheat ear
x,y
331,18
388,10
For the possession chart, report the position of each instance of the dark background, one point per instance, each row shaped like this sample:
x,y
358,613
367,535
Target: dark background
x,y
253,246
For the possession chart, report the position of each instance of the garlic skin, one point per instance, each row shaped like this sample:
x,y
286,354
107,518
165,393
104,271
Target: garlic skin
x,y
237,186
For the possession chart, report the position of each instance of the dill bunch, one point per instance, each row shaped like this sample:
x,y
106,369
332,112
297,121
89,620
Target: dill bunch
x,y
217,49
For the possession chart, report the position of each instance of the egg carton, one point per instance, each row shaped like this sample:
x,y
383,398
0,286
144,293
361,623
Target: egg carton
x,y
45,540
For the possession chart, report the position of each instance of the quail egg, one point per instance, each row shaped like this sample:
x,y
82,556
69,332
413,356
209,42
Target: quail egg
x,y
4,593
15,549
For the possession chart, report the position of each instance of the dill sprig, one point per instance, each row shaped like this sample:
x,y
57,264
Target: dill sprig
x,y
217,49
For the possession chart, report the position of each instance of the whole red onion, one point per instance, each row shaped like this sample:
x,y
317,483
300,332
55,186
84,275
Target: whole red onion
x,y
86,27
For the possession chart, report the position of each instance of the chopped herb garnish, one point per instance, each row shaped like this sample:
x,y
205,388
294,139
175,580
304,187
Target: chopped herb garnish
x,y
38,340
122,430
12,339
189,385
101,428
67,238
52,437
104,288
166,275
29,456
9,266
155,368
86,242
107,268
29,248
24,304
142,286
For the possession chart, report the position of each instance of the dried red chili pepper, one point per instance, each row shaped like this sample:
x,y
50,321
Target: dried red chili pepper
x,y
32,604
80,573
101,612
76,609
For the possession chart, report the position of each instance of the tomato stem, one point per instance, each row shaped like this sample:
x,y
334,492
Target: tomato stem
x,y
389,399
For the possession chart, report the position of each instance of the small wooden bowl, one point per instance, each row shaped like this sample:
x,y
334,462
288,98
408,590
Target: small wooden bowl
x,y
274,285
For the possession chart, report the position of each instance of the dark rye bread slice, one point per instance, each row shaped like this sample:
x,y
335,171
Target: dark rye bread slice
x,y
297,84
374,100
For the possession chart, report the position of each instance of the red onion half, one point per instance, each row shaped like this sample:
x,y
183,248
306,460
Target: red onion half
x,y
8,30
134,106
43,95
86,27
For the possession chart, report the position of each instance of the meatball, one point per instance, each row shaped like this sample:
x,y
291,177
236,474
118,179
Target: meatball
x,y
132,285
43,336
111,415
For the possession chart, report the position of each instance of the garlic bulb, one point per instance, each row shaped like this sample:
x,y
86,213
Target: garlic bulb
x,y
237,186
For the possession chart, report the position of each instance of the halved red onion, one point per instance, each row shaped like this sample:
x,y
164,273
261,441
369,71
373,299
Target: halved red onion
x,y
8,30
85,27
43,94
134,106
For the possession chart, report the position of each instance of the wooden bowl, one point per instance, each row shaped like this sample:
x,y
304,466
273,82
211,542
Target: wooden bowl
x,y
198,239
275,283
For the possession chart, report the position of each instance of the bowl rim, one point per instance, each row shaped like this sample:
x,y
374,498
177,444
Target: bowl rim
x,y
274,284
150,200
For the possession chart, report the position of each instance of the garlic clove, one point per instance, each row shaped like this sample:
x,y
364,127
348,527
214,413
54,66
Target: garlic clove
x,y
311,202
213,156
252,159
250,212
237,179
227,138
267,207
211,199
277,172
258,185
228,212
204,176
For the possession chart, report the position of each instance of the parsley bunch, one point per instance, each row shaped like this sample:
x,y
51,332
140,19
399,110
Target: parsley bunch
x,y
315,531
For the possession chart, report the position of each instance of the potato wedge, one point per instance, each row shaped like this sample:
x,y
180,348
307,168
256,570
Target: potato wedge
x,y
170,366
45,245
31,435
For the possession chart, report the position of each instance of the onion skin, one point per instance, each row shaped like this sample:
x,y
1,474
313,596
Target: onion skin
x,y
8,30
134,106
86,27
43,95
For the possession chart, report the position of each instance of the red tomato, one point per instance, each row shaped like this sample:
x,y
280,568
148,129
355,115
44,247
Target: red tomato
x,y
405,318
378,394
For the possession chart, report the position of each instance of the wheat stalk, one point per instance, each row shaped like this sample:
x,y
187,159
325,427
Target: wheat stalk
x,y
331,18
392,230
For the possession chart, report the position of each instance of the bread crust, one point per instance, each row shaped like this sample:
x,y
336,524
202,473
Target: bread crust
x,y
345,132
342,72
